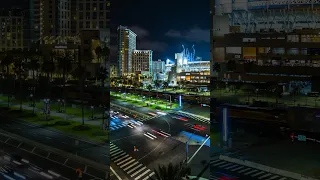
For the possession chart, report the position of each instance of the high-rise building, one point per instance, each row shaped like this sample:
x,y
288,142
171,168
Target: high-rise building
x,y
126,46
68,17
158,66
88,14
284,54
142,62
11,28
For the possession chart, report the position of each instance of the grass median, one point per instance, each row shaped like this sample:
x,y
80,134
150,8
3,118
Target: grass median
x,y
54,107
151,103
90,132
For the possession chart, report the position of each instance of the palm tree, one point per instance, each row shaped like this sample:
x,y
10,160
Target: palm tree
x,y
171,172
248,88
65,65
7,62
48,67
34,65
276,91
102,76
149,87
165,85
19,70
80,73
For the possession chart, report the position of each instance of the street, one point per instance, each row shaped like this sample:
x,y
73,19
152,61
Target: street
x,y
159,141
60,141
220,168
37,166
94,152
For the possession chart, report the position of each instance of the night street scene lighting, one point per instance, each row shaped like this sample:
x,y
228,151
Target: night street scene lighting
x,y
54,78
159,92
265,89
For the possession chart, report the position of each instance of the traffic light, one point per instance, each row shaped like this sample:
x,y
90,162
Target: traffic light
x,y
292,136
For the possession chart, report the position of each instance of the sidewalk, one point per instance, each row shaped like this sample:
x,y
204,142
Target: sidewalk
x,y
201,112
60,115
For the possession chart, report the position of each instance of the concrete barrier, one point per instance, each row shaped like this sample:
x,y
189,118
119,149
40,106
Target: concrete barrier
x,y
266,168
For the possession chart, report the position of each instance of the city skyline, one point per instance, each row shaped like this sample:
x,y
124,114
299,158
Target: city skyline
x,y
166,36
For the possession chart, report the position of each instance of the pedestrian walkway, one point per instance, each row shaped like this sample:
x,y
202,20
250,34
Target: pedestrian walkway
x,y
244,171
132,167
116,124
61,115
5,169
193,116
148,118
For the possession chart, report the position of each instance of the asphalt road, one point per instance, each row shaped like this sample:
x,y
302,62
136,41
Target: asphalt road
x,y
156,149
44,164
17,169
98,153
54,139
221,168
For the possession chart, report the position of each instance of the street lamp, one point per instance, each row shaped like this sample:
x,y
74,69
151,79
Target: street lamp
x,y
31,102
46,107
92,113
59,106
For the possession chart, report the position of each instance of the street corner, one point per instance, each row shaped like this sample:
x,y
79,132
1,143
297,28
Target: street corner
x,y
192,139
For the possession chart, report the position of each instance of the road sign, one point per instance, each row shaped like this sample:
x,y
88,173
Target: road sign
x,y
302,138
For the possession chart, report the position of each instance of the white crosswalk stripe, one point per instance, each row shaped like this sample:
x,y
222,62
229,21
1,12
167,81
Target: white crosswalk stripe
x,y
148,118
129,165
117,125
192,116
240,170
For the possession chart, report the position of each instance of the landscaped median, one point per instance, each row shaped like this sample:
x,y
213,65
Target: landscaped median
x,y
70,127
145,101
74,110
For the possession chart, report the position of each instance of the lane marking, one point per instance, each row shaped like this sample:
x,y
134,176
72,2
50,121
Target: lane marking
x,y
46,175
134,168
117,160
149,176
123,165
123,161
151,135
137,172
148,136
54,173
113,172
125,169
142,174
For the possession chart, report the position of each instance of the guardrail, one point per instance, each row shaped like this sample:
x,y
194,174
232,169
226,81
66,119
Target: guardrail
x,y
266,168
49,149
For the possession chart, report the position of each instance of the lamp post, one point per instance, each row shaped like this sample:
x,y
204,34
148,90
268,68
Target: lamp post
x,y
92,112
59,106
46,108
32,103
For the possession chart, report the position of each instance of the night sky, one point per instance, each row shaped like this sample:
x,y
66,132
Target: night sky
x,y
163,26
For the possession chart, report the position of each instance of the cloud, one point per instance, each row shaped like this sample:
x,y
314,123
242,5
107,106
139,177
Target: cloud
x,y
144,42
194,34
152,45
141,32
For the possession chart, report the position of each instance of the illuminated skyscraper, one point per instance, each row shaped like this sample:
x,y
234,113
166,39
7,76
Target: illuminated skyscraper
x,y
126,46
11,28
142,62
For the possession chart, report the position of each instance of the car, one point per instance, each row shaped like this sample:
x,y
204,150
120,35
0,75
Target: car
x,y
180,118
223,176
199,127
